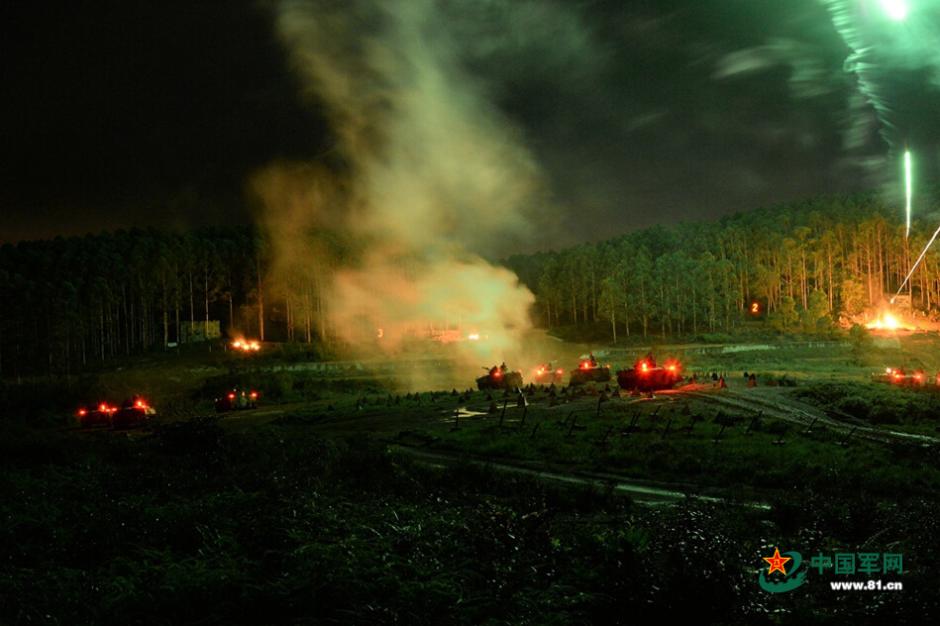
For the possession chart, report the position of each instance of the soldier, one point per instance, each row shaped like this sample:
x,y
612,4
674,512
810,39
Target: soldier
x,y
503,368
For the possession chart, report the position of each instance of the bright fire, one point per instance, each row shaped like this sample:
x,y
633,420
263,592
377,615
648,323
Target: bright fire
x,y
246,345
887,321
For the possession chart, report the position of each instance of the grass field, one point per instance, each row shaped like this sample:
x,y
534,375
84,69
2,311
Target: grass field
x,y
346,497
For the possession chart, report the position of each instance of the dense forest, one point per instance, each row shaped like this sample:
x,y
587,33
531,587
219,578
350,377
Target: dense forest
x,y
804,264
71,302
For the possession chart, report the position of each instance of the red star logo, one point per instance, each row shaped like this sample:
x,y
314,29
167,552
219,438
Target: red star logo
x,y
776,562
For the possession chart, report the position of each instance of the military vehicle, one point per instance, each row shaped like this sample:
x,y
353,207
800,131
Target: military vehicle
x,y
589,370
897,376
646,376
236,400
133,412
99,415
545,375
499,378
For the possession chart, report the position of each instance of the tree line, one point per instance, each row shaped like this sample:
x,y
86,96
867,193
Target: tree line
x,y
71,302
803,264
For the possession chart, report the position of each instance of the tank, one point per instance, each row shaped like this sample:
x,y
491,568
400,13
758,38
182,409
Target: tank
x,y
495,378
646,375
97,415
897,376
133,412
545,374
589,371
236,400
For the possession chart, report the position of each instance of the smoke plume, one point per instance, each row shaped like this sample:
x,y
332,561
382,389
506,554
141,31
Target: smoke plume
x,y
427,178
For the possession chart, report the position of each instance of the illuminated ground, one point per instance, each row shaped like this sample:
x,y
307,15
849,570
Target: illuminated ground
x,y
349,497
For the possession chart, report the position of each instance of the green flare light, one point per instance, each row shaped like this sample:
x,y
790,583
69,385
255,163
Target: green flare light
x,y
908,185
897,10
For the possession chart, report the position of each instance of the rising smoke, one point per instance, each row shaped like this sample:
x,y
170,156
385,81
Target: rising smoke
x,y
426,179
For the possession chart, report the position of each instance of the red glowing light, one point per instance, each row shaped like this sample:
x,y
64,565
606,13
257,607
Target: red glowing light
x,y
559,371
231,396
82,412
253,394
644,366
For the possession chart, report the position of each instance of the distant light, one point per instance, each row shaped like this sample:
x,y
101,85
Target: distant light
x,y
908,186
473,336
897,10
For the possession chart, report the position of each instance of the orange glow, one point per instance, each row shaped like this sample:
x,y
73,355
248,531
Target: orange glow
x,y
82,412
253,394
672,368
497,374
247,346
559,371
231,396
644,366
887,321
755,307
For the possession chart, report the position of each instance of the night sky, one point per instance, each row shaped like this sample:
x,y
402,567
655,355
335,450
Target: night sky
x,y
154,114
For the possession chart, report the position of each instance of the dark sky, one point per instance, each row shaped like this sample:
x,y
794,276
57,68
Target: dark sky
x,y
154,113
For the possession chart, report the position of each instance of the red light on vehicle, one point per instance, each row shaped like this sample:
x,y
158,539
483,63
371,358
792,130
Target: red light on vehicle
x,y
253,394
559,371
644,366
82,412
584,365
103,407
497,374
231,396
672,368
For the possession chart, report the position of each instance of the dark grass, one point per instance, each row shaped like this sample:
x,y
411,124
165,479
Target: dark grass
x,y
200,525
